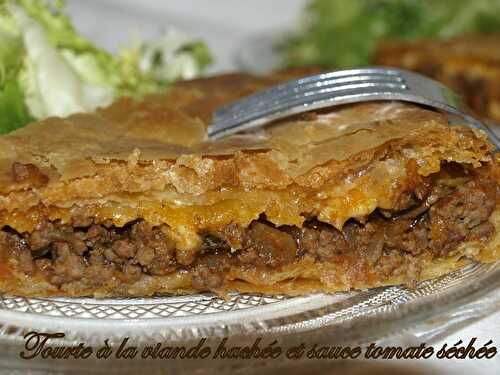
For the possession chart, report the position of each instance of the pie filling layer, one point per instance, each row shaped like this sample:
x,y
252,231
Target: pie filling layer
x,y
431,221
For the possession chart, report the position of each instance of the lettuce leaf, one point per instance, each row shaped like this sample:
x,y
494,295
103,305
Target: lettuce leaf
x,y
48,69
13,111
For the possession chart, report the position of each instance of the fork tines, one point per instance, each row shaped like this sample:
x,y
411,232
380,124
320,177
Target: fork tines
x,y
339,87
303,92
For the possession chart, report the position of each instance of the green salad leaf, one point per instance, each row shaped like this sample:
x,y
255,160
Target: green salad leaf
x,y
13,112
48,69
344,33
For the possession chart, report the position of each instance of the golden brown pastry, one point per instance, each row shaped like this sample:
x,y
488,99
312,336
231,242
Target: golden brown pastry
x,y
133,199
469,64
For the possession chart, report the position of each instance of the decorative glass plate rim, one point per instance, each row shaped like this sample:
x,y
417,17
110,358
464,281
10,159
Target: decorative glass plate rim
x,y
378,321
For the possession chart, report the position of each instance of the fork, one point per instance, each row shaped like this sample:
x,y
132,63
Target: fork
x,y
335,88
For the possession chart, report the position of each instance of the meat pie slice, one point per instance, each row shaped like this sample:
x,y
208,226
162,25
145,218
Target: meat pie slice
x,y
133,200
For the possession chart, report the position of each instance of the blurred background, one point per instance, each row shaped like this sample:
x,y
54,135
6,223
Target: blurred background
x,y
137,47
224,25
454,41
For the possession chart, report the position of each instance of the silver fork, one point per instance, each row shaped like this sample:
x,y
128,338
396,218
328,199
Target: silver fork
x,y
335,88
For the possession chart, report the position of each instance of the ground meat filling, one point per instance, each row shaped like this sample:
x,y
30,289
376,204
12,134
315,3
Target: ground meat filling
x,y
436,219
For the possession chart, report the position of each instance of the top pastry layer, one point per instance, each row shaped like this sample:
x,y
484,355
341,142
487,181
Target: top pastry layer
x,y
157,149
